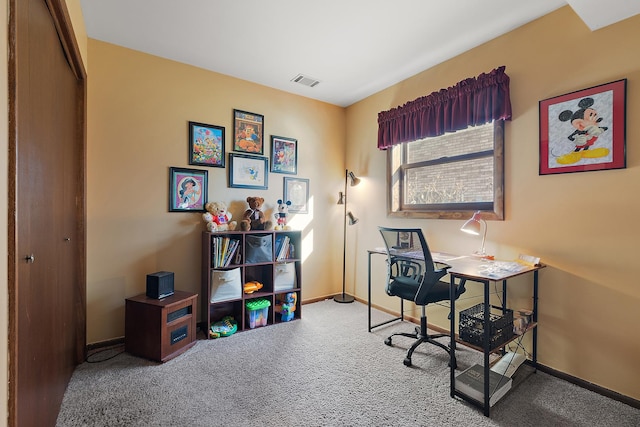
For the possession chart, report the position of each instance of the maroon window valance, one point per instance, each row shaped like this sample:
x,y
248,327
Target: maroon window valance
x,y
471,102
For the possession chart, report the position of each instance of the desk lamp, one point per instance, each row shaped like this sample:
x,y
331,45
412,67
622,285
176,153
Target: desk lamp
x,y
473,226
349,176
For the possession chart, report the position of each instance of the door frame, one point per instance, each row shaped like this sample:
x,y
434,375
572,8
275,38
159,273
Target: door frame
x,y
62,21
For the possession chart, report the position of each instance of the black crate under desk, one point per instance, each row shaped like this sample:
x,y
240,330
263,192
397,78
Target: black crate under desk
x,y
160,329
472,326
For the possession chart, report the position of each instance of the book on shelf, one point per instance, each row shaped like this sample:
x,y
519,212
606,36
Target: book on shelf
x,y
282,247
231,249
509,363
471,383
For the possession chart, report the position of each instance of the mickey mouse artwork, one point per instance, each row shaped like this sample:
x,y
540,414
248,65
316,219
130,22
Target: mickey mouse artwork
x,y
584,130
585,121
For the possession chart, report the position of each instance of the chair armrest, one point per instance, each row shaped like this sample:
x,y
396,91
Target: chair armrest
x,y
429,280
441,265
404,268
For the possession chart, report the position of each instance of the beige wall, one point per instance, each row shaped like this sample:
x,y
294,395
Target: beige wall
x,y
139,106
579,224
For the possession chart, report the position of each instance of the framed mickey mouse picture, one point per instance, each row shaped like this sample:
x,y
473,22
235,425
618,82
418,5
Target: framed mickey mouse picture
x,y
584,130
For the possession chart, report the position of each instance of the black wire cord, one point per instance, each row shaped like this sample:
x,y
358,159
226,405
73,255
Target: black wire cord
x,y
104,350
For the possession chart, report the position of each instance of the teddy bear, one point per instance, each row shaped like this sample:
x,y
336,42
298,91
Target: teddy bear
x,y
282,211
217,217
253,218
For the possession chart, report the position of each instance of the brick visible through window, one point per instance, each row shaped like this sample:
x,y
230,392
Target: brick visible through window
x,y
449,176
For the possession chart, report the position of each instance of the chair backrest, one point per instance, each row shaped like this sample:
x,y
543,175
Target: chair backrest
x,y
407,243
411,273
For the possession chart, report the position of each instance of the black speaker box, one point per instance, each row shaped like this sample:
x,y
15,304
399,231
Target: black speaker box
x,y
160,284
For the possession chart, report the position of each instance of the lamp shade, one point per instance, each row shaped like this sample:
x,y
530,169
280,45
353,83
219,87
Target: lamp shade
x,y
475,226
354,179
352,219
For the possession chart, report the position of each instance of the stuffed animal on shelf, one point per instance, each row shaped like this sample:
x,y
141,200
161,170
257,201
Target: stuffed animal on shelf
x,y
286,305
217,217
282,211
253,218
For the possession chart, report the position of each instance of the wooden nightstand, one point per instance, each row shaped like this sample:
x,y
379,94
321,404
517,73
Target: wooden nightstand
x,y
160,329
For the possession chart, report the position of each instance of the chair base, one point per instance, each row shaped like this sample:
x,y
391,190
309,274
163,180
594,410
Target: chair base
x,y
421,336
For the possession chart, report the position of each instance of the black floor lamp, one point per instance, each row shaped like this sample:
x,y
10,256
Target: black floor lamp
x,y
348,216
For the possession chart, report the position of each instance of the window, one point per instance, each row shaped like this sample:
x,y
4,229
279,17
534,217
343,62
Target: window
x,y
449,176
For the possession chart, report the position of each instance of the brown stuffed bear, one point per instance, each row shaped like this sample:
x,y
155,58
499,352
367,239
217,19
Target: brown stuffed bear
x,y
253,218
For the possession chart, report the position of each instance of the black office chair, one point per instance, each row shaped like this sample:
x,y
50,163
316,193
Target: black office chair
x,y
413,276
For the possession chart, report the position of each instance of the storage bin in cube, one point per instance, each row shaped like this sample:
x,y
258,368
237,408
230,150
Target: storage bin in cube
x,y
225,285
257,312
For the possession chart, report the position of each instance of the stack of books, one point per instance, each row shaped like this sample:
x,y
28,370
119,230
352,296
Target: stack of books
x,y
284,248
471,383
224,248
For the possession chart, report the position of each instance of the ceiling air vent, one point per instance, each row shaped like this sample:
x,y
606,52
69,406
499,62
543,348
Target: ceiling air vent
x,y
305,80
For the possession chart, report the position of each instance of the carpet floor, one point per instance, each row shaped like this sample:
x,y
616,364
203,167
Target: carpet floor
x,y
322,370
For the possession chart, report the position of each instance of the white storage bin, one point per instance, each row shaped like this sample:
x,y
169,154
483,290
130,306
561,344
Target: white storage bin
x,y
225,285
284,277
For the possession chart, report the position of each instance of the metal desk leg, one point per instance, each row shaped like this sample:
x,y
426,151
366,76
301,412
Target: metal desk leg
x,y
486,346
369,291
534,345
401,317
452,335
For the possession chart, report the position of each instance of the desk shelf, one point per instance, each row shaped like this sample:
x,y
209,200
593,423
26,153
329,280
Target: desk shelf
x,y
523,371
499,348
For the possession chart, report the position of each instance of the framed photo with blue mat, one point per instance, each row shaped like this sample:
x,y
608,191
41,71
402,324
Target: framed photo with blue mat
x,y
247,171
187,189
284,155
206,145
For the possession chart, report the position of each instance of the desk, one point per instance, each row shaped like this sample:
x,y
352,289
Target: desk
x,y
481,271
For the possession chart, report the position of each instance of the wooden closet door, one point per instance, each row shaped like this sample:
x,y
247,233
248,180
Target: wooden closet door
x,y
47,295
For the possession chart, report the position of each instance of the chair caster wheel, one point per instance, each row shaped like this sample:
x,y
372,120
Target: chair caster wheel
x,y
388,342
407,361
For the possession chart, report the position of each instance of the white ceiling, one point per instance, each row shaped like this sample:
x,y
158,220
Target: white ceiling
x,y
353,47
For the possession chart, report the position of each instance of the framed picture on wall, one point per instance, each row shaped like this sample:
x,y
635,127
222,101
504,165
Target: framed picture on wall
x,y
296,190
206,145
284,155
248,132
187,189
584,130
247,171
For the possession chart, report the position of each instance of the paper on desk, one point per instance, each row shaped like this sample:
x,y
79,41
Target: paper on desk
x,y
442,257
501,268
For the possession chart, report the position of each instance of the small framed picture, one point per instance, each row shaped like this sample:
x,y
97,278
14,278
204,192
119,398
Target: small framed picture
x,y
584,130
247,171
206,145
296,190
284,155
248,132
187,189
